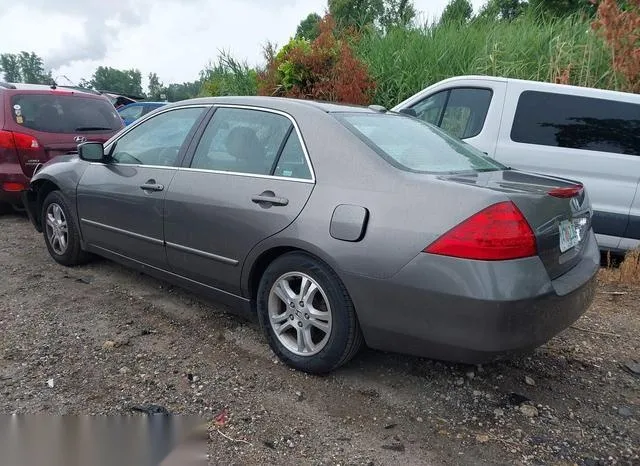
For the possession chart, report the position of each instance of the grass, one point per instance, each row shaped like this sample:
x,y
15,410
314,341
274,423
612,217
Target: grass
x,y
404,61
625,273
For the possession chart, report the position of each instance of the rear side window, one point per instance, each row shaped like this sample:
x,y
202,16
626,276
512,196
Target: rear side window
x,y
242,141
461,112
576,122
52,113
413,145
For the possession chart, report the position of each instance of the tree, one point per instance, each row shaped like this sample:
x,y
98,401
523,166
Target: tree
x,y
559,8
397,13
325,69
355,13
26,67
85,84
502,9
156,88
32,67
308,27
457,11
10,66
122,81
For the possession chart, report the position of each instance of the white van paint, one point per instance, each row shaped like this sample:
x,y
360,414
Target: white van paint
x,y
482,110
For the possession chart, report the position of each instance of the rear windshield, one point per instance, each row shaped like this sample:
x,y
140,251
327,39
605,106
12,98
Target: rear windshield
x,y
413,145
53,113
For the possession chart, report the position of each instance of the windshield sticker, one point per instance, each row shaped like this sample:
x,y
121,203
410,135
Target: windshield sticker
x,y
17,107
19,120
18,112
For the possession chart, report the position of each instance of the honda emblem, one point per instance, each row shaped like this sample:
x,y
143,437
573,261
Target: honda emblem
x,y
80,139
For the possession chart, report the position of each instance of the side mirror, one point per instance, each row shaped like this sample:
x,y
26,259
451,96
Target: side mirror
x,y
91,151
409,111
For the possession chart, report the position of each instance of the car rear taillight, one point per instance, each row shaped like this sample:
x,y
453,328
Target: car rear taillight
x,y
13,187
20,141
566,193
499,232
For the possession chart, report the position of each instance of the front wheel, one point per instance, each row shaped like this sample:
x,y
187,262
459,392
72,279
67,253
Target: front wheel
x,y
307,314
60,231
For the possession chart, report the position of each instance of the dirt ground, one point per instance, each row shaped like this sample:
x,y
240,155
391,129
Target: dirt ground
x,y
111,338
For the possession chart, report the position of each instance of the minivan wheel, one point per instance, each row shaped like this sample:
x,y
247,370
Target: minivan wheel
x,y
60,231
307,315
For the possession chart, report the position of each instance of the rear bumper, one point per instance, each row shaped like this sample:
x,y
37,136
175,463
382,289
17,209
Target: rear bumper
x,y
12,197
472,311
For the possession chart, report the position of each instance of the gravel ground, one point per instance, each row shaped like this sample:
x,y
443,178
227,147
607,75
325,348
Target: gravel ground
x,y
111,338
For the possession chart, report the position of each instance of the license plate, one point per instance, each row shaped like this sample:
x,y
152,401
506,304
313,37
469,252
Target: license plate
x,y
569,237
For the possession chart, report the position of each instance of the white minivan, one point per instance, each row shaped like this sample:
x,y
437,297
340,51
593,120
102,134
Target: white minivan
x,y
584,134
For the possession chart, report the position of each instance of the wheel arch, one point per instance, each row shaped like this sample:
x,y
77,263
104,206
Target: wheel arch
x,y
260,258
40,189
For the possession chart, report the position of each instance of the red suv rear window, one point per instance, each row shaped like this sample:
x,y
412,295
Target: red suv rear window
x,y
53,113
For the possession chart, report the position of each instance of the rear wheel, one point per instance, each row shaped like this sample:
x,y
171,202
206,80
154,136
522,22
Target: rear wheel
x,y
60,231
307,315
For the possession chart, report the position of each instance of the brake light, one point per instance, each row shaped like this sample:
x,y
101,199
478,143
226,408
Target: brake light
x,y
499,232
13,187
568,192
20,141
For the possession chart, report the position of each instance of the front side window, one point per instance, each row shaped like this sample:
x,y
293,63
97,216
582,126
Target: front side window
x,y
64,113
577,122
412,145
242,141
157,141
461,112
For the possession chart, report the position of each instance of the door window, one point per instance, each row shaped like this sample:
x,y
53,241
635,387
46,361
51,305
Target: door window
x,y
461,112
292,163
132,113
157,141
242,141
577,122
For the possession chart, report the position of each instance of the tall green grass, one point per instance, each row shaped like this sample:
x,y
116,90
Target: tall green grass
x,y
404,61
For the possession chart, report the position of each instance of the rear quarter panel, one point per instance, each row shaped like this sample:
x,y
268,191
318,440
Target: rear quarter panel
x,y
406,211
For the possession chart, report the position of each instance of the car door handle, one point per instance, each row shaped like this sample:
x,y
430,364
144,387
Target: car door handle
x,y
269,197
152,186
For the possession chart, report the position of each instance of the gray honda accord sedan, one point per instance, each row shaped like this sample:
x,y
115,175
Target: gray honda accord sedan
x,y
337,225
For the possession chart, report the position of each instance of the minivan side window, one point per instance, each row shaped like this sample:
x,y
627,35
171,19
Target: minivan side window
x,y
576,122
461,112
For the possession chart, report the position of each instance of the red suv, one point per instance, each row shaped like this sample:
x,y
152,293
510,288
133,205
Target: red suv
x,y
38,122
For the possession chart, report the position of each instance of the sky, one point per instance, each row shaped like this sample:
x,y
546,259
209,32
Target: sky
x,y
173,38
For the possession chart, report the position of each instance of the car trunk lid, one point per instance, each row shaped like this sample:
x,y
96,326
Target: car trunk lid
x,y
558,211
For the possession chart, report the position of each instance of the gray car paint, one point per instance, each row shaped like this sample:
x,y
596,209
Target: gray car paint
x,y
219,238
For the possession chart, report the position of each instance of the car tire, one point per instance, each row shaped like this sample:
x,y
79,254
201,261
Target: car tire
x,y
325,319
60,231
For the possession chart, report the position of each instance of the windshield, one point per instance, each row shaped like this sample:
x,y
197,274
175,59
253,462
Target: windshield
x,y
59,113
412,145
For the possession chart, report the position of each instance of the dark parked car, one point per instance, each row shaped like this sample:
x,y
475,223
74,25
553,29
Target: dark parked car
x,y
38,122
337,225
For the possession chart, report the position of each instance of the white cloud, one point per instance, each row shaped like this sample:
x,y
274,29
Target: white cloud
x,y
173,38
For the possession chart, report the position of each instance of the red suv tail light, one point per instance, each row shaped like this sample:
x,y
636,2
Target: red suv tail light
x,y
499,232
20,141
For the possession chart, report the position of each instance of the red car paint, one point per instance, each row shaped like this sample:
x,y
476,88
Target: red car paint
x,y
39,122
